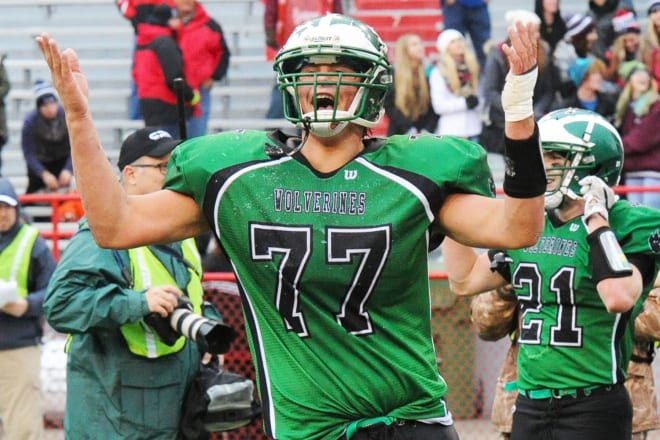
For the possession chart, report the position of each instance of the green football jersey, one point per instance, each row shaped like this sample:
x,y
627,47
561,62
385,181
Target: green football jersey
x,y
567,338
332,269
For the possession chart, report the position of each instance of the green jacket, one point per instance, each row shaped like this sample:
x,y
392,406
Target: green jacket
x,y
112,393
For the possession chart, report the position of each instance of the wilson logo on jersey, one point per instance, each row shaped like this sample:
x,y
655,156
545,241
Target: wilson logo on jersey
x,y
350,174
574,227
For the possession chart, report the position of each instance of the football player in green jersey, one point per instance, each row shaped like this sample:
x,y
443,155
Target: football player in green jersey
x,y
328,234
579,287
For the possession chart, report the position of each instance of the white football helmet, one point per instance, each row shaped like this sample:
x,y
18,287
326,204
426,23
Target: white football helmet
x,y
591,145
334,39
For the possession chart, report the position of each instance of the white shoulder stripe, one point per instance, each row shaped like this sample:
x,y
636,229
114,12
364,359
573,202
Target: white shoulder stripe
x,y
406,184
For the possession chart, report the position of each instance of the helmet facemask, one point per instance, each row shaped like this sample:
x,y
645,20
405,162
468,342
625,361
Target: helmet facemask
x,y
566,175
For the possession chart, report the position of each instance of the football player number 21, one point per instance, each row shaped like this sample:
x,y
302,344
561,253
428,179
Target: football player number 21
x,y
565,331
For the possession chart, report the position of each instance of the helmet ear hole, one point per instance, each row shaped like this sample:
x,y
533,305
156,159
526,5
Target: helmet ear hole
x,y
291,107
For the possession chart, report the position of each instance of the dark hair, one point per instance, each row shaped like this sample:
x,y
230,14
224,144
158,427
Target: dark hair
x,y
555,32
580,40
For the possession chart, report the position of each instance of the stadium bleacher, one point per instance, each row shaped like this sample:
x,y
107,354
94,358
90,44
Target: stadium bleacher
x,y
105,52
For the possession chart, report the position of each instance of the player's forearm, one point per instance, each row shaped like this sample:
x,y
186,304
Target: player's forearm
x,y
523,221
102,196
467,271
525,182
519,130
620,294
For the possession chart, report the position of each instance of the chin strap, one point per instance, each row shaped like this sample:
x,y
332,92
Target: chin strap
x,y
306,130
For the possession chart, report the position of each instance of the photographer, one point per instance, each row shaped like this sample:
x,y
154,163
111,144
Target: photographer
x,y
125,378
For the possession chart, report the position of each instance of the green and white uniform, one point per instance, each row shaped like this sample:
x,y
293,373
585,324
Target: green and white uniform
x,y
333,270
568,339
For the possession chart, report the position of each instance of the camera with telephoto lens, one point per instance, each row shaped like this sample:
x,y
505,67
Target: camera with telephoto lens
x,y
211,336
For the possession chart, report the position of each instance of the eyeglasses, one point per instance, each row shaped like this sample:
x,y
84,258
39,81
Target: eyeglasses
x,y
162,167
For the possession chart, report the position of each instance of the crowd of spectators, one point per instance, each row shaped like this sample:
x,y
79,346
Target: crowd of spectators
x,y
601,59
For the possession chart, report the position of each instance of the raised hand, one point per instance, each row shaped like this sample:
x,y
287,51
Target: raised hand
x,y
522,51
69,81
518,91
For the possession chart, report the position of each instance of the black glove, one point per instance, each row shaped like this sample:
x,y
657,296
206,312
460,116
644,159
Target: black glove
x,y
471,101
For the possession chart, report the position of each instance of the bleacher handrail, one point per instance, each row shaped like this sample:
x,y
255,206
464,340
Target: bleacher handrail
x,y
55,200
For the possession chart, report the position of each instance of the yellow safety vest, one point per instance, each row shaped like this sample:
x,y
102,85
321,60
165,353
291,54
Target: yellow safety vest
x,y
148,271
15,258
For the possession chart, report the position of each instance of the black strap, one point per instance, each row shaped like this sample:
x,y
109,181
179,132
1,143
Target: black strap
x,y
178,255
125,271
650,354
500,262
640,359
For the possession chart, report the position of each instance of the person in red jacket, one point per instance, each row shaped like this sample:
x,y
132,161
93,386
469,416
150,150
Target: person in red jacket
x,y
205,56
137,11
157,63
280,19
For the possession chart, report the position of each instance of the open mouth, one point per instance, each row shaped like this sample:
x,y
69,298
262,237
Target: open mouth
x,y
552,182
325,103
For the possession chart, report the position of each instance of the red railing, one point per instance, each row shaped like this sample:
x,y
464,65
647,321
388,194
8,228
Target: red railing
x,y
55,200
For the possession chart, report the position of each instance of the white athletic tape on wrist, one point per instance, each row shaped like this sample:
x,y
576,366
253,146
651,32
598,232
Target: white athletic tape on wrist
x,y
517,95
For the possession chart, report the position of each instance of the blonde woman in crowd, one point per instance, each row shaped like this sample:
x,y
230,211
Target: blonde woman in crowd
x,y
650,45
637,118
408,105
454,85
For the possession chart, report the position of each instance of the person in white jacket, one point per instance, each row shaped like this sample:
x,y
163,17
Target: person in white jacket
x,y
454,85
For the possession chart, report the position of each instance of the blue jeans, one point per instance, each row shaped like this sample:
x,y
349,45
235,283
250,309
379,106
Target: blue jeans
x,y
134,111
651,199
473,21
198,125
